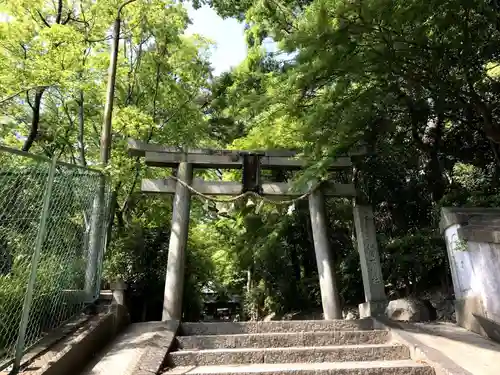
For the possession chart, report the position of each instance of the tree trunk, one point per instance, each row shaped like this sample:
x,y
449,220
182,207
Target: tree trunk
x,y
110,91
59,11
294,287
309,257
35,121
249,280
109,228
81,129
108,109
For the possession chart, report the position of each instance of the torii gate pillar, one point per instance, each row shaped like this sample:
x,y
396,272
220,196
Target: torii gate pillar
x,y
174,280
326,269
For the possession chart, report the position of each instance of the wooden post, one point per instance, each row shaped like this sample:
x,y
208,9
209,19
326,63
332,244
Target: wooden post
x,y
329,292
174,280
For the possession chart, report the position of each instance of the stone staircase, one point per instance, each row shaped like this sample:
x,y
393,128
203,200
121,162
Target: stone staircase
x,y
338,347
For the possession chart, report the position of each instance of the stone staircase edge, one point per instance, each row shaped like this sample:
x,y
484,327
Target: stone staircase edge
x,y
288,339
344,368
209,328
153,358
283,333
290,348
357,353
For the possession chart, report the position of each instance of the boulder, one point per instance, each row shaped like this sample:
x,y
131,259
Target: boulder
x,y
444,305
269,317
431,308
305,315
349,316
350,313
410,310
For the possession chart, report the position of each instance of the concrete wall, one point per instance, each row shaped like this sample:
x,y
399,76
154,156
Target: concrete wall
x,y
474,255
485,260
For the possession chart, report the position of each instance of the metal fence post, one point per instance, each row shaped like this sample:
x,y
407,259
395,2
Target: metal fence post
x,y
28,299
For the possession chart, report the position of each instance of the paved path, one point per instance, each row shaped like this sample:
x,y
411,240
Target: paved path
x,y
474,353
122,355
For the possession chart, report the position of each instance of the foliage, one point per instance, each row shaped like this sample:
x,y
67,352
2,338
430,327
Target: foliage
x,y
416,82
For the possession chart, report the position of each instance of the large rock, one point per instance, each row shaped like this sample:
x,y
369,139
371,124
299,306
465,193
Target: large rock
x,y
410,310
350,313
270,317
444,305
305,315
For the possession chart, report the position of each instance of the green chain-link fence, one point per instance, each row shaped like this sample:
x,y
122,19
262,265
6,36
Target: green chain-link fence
x,y
53,219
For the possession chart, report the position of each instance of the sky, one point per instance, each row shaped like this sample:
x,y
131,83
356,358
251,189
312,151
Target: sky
x,y
228,35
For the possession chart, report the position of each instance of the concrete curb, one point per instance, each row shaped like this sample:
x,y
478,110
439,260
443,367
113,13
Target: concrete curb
x,y
419,352
152,360
40,349
89,339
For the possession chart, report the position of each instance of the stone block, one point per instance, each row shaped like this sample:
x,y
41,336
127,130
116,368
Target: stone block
x,y
276,340
290,355
282,340
241,341
372,308
232,328
410,310
345,338
337,354
215,357
476,233
464,308
458,215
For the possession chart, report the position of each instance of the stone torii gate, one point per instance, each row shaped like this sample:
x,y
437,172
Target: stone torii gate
x,y
252,162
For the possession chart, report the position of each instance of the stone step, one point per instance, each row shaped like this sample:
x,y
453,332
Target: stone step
x,y
485,220
281,340
289,355
231,328
403,367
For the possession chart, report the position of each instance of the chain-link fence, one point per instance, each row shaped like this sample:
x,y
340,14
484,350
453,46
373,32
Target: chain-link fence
x,y
53,220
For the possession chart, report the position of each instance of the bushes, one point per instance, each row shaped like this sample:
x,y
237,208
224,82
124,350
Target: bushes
x,y
414,263
53,302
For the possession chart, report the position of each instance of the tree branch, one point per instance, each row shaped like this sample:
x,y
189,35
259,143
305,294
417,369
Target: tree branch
x,y
35,120
69,18
10,97
43,19
123,6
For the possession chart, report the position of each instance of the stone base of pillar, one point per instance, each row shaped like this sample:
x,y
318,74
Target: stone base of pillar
x,y
118,289
372,308
465,309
